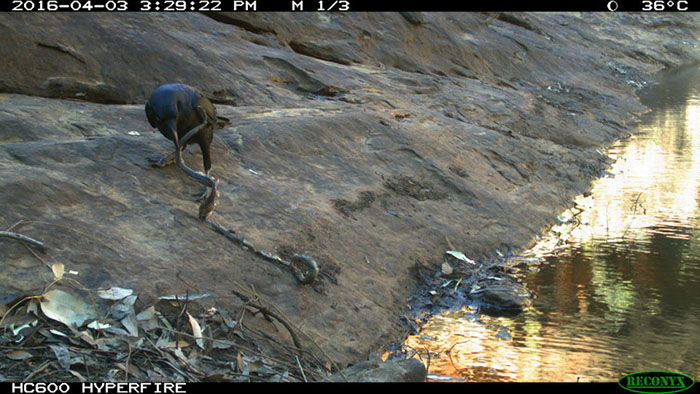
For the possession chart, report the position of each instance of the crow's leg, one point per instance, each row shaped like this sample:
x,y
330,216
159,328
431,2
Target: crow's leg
x,y
203,146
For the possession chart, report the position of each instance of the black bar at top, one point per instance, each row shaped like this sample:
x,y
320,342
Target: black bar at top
x,y
650,6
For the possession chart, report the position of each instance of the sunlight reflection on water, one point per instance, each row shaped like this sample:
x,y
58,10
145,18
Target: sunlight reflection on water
x,y
618,287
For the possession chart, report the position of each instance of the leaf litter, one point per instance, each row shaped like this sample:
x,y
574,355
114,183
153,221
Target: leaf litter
x,y
70,333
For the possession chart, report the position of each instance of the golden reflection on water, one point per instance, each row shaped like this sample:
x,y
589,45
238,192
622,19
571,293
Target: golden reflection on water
x,y
655,183
598,320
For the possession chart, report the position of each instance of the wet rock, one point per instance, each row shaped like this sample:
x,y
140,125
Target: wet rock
x,y
503,334
504,297
402,371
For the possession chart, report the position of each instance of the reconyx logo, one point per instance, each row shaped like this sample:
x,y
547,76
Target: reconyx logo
x,y
656,382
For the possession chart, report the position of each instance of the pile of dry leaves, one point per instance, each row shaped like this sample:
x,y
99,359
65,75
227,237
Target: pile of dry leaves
x,y
70,333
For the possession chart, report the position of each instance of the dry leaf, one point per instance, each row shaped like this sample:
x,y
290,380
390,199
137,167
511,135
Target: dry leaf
x,y
21,326
18,355
62,355
239,362
114,293
85,337
178,352
58,270
196,331
460,255
147,319
221,344
129,322
57,332
96,325
33,307
230,323
132,369
147,314
118,331
66,308
123,308
77,375
174,344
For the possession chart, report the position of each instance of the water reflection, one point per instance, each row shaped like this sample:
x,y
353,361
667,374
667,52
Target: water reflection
x,y
618,287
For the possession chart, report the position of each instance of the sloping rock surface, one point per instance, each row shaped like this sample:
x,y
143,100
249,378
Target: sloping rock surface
x,y
369,141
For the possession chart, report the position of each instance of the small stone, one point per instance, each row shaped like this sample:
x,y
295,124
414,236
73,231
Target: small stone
x,y
447,269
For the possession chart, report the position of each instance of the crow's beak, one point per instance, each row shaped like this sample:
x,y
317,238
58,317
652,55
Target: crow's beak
x,y
169,125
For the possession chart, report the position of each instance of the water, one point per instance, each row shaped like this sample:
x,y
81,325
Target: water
x,y
618,287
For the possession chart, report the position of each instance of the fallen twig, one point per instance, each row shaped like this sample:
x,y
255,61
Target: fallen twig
x,y
267,313
24,238
37,371
300,368
297,329
92,238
